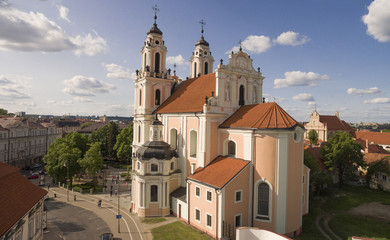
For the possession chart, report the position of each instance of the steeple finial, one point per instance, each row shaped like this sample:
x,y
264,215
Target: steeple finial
x,y
240,42
155,9
174,69
202,23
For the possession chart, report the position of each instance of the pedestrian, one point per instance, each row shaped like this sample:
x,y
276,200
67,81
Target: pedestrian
x,y
99,203
111,193
111,187
116,192
48,187
74,197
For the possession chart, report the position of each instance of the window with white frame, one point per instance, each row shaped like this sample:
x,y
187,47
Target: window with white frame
x,y
197,215
31,226
237,220
209,196
37,221
154,193
173,138
172,165
209,220
231,148
197,191
263,201
19,234
138,165
238,196
154,167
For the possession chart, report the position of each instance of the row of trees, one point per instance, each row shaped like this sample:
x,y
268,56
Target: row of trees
x,y
77,153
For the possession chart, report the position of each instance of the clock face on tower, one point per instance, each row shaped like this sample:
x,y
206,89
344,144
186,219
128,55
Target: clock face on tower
x,y
241,63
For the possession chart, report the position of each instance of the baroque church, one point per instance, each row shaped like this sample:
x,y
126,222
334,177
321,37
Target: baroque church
x,y
210,151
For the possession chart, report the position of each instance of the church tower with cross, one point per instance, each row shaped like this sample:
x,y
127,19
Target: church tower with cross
x,y
201,61
210,150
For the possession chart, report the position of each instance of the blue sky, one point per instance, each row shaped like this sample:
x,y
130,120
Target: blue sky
x,y
79,57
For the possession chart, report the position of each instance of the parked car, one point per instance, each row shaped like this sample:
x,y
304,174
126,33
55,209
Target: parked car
x,y
33,176
107,236
36,165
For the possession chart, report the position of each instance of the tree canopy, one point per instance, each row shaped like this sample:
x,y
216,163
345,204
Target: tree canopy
x,y
63,154
106,135
92,161
313,137
123,144
342,153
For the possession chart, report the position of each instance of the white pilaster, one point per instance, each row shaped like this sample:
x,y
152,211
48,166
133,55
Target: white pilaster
x,y
281,183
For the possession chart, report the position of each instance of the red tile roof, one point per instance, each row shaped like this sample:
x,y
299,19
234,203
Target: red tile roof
x,y
376,137
190,96
18,196
334,123
370,158
261,116
219,172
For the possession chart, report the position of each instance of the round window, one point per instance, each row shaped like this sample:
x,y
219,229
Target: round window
x,y
157,42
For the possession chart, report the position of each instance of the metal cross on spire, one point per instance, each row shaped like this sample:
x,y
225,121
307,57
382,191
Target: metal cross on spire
x,y
155,9
202,23
240,42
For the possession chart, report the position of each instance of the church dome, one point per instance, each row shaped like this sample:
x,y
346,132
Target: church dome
x,y
154,29
156,149
202,42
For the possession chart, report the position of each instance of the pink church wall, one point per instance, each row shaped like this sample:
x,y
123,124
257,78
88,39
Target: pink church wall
x,y
240,182
294,192
237,138
264,167
205,207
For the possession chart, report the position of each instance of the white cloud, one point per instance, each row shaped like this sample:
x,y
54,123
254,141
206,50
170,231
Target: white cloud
x,y
86,86
378,20
254,44
64,13
28,104
311,104
117,71
291,38
304,97
82,99
178,60
361,92
378,100
33,31
298,78
12,88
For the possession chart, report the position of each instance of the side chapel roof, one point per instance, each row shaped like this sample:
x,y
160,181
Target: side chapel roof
x,y
219,172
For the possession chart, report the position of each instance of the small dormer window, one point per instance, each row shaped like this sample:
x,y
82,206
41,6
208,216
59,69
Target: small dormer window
x,y
154,167
157,42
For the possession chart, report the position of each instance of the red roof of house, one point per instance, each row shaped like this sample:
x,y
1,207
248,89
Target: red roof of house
x,y
334,123
370,158
18,196
376,137
261,116
190,96
219,172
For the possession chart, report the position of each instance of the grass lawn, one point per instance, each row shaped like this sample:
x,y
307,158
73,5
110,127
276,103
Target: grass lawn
x,y
344,224
153,220
177,231
347,225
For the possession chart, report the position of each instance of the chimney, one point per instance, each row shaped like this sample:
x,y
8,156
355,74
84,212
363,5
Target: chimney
x,y
192,168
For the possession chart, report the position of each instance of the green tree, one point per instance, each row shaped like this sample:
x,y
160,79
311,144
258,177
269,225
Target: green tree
x,y
319,178
313,137
92,162
107,136
341,153
63,154
123,144
3,111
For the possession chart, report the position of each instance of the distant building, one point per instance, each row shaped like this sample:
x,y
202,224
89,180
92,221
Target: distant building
x,y
327,125
380,138
24,142
20,114
21,206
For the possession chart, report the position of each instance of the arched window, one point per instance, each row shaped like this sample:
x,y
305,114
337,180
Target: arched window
x,y
139,133
206,68
154,167
157,96
173,138
242,96
140,97
157,63
231,148
194,69
193,143
172,165
154,193
263,201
